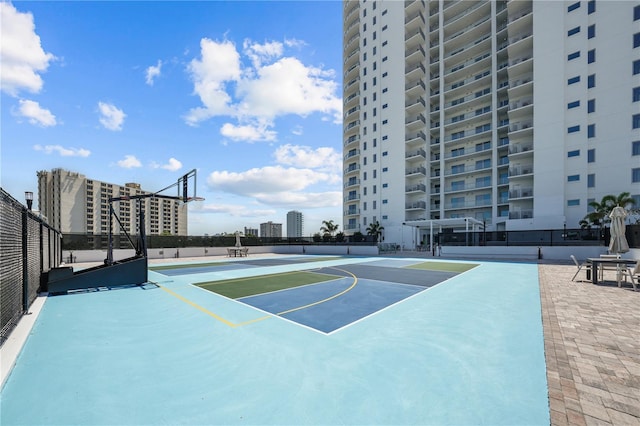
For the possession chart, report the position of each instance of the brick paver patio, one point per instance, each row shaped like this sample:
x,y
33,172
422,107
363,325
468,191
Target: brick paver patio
x,y
592,348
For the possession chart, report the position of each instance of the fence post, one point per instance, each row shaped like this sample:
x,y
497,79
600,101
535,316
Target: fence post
x,y
25,266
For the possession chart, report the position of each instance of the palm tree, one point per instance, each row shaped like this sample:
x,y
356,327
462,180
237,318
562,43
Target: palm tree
x,y
328,227
600,214
375,229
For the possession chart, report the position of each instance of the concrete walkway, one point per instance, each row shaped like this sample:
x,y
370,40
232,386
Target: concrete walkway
x,y
592,348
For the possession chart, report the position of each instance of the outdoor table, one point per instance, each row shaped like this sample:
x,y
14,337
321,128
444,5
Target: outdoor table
x,y
595,261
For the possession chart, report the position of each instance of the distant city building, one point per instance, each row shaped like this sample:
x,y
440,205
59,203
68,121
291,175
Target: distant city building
x,y
295,224
75,204
250,231
271,230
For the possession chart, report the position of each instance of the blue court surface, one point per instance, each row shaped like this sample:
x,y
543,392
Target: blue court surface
x,y
380,343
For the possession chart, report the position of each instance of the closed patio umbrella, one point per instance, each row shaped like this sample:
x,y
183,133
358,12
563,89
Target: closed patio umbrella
x,y
238,244
618,242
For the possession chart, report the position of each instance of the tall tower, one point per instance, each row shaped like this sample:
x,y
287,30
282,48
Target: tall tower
x,y
295,224
510,114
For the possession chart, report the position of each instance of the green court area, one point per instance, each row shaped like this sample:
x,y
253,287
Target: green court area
x,y
243,287
444,266
186,265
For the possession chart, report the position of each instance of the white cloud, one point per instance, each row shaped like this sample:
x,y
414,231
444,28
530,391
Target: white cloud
x,y
248,132
236,210
273,85
262,52
111,117
173,165
129,162
219,64
265,179
152,72
62,151
35,113
21,56
289,87
324,158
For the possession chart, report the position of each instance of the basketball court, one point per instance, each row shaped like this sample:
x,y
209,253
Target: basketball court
x,y
290,340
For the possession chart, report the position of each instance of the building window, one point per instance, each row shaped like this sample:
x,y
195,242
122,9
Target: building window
x,y
591,156
385,59
635,121
636,40
574,153
385,106
385,153
591,7
573,31
573,203
384,74
591,81
591,105
591,56
573,6
385,185
591,180
573,129
573,178
573,55
636,67
591,131
574,104
591,31
636,94
635,148
573,80
384,201
385,169
635,175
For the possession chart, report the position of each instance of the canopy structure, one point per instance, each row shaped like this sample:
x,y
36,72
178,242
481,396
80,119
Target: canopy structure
x,y
466,223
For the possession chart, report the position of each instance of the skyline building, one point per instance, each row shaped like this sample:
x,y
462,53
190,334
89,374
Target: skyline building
x,y
75,204
513,115
295,224
271,230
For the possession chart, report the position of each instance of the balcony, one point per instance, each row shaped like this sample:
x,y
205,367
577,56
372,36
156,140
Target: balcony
x,y
352,169
416,171
520,193
352,182
520,148
415,189
352,154
351,139
418,205
352,197
466,169
416,154
522,214
351,212
520,170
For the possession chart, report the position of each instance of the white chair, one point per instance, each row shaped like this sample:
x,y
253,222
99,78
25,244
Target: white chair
x,y
579,265
634,275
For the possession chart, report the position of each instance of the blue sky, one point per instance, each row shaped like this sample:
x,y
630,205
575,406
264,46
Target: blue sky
x,y
247,93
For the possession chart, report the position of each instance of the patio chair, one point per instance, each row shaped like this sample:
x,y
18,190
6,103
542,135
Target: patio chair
x,y
609,267
579,265
634,275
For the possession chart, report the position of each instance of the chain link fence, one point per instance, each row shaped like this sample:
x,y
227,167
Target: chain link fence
x,y
28,247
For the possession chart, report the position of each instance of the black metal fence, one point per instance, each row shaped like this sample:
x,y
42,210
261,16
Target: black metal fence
x,y
28,247
100,242
553,237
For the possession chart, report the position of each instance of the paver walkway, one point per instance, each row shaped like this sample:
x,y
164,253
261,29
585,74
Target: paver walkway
x,y
592,347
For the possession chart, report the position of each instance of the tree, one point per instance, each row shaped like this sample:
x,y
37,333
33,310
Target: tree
x,y
600,214
340,237
375,230
328,227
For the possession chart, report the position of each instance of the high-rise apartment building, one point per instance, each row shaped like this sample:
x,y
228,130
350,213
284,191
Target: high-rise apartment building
x,y
515,114
271,230
295,224
250,231
75,204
